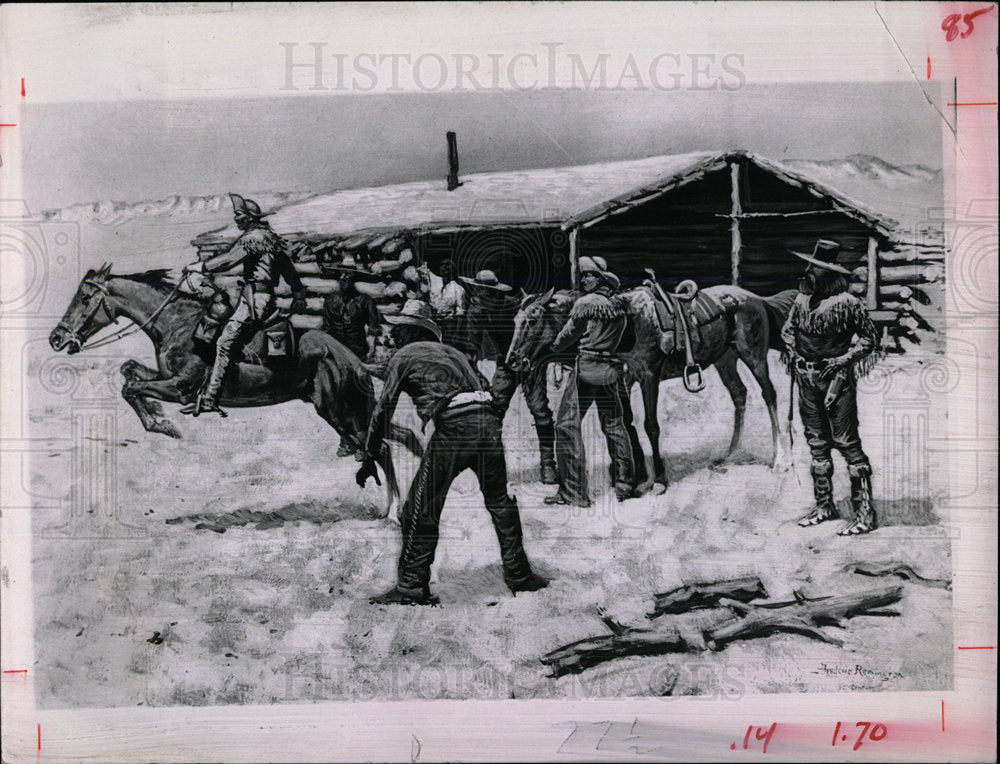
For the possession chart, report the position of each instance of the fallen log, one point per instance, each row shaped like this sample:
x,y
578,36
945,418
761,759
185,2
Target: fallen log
x,y
697,596
801,616
898,569
622,642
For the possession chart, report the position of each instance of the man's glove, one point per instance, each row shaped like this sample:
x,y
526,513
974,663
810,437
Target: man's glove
x,y
366,471
833,367
298,303
194,267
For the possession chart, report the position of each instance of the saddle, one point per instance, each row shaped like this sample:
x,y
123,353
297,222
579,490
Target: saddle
x,y
682,315
682,319
275,338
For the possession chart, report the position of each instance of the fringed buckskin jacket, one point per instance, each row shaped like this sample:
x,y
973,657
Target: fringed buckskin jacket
x,y
827,331
264,257
597,320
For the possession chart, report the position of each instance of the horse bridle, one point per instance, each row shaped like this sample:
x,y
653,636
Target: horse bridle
x,y
101,302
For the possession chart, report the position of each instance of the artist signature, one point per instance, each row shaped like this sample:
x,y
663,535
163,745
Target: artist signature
x,y
859,672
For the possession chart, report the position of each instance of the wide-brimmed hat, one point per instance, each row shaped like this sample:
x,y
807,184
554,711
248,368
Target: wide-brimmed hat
x,y
824,255
487,280
247,207
611,280
415,313
595,264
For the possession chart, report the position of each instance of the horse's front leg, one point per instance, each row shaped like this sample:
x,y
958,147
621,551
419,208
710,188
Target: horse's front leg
x,y
143,383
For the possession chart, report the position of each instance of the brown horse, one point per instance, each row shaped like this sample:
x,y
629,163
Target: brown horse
x,y
322,369
750,327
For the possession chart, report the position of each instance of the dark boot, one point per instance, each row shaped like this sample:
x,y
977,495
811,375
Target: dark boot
x,y
547,453
822,475
861,499
398,596
532,583
517,572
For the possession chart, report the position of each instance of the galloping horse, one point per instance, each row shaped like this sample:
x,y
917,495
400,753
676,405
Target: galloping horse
x,y
322,370
751,326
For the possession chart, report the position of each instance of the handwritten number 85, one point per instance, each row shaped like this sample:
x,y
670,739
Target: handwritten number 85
x,y
950,23
875,732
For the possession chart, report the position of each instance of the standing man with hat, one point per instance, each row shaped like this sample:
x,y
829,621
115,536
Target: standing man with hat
x,y
597,322
350,316
264,256
830,341
491,312
444,388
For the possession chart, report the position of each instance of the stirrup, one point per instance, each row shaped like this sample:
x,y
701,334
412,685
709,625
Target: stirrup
x,y
693,381
203,404
817,516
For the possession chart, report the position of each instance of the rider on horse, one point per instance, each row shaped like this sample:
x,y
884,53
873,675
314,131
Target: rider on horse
x,y
264,257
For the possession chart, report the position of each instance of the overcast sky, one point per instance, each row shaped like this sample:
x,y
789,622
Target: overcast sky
x,y
131,103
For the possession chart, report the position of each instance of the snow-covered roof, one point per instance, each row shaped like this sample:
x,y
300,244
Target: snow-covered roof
x,y
564,196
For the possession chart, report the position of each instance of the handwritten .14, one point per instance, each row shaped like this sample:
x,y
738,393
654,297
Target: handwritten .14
x,y
760,734
950,23
875,732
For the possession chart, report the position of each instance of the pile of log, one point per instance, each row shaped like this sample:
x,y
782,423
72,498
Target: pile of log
x,y
905,273
751,620
385,261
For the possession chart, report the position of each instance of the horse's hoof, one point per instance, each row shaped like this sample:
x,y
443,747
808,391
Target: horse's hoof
x,y
719,466
168,428
782,464
658,489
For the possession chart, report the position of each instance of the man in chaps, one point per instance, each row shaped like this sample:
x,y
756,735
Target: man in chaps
x,y
830,341
598,321
491,312
264,257
444,388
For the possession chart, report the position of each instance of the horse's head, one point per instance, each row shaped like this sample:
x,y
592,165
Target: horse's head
x,y
87,314
535,327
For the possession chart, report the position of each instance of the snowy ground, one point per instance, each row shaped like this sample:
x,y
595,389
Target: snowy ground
x,y
143,607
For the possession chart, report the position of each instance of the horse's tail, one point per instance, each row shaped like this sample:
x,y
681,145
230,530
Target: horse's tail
x,y
778,307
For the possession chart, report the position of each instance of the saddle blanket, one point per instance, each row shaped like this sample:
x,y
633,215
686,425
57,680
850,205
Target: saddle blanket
x,y
699,312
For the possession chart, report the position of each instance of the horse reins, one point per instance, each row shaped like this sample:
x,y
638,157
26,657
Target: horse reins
x,y
128,330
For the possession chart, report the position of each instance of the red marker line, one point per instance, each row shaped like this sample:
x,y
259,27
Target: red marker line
x,y
978,647
39,737
969,103
928,74
9,124
16,671
22,86
942,716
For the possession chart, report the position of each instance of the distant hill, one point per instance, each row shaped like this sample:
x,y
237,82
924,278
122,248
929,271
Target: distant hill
x,y
113,213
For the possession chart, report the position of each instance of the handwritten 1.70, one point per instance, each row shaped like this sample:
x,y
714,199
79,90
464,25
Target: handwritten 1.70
x,y
873,731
